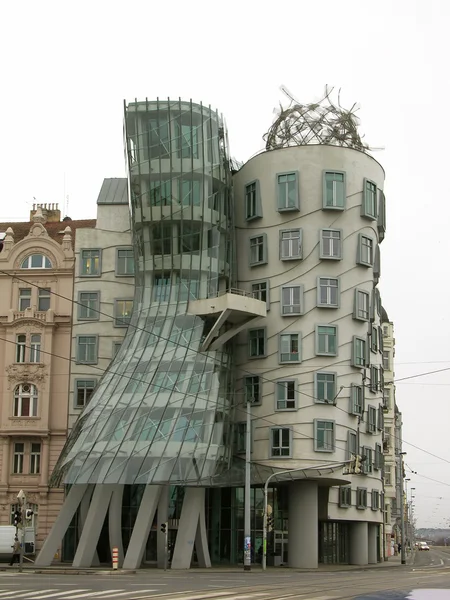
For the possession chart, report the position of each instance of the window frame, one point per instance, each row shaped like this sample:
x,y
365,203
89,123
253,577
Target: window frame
x,y
81,306
359,259
249,331
34,464
264,259
126,249
19,395
44,294
299,342
21,349
374,338
76,388
361,498
322,254
354,363
357,307
296,207
338,292
253,293
271,445
281,382
325,206
30,256
26,297
332,402
352,447
375,505
367,451
356,393
258,205
20,454
317,327
375,378
300,312
90,275
298,256
116,322
345,496
371,419
316,429
35,349
246,385
365,210
116,348
94,361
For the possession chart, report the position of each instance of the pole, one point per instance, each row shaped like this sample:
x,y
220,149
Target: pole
x,y
22,541
247,492
166,547
402,513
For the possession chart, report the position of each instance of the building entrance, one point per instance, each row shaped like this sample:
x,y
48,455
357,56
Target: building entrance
x,y
280,549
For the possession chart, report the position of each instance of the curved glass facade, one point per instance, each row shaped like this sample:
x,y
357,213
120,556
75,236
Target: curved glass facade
x,y
161,414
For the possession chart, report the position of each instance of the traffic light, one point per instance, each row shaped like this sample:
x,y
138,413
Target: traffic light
x,y
28,514
17,518
269,522
163,527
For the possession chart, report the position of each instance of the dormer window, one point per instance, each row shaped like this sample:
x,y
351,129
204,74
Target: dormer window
x,y
36,261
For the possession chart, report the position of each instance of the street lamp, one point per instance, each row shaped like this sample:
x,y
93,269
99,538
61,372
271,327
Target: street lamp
x,y
247,492
402,509
22,503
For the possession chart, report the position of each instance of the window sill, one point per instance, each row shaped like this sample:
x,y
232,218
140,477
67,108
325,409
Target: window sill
x,y
327,354
325,451
339,208
328,306
361,507
369,216
344,505
253,218
363,264
258,264
24,418
256,357
125,274
289,209
330,257
288,258
90,276
88,319
285,410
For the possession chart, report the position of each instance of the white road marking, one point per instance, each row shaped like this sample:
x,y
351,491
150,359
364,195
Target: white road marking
x,y
56,594
91,594
22,594
9,592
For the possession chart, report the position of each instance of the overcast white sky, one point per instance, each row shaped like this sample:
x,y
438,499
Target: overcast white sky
x,y
67,66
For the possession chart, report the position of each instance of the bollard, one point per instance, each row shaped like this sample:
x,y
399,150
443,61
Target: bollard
x,y
115,558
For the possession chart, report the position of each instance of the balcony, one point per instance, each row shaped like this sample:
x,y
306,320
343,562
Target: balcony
x,y
47,317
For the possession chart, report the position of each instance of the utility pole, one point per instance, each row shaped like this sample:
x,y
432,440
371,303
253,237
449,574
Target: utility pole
x,y
402,508
165,531
247,493
23,508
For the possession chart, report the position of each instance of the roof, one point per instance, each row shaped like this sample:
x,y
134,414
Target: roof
x,y
54,230
113,191
384,315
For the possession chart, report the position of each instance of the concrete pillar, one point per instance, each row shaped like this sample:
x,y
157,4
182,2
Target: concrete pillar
x,y
303,541
115,521
82,516
201,538
359,543
93,526
163,517
60,526
372,543
193,506
141,529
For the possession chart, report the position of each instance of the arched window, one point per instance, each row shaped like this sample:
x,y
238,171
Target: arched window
x,y
36,261
25,400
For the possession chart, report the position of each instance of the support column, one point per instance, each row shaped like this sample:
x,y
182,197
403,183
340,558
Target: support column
x,y
163,517
115,521
372,543
193,506
201,539
63,520
141,529
93,526
82,516
303,541
5,461
359,543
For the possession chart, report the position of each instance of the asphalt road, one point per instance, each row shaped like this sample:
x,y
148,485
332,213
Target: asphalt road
x,y
430,570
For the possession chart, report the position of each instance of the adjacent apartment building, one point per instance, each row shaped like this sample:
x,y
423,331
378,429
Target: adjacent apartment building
x,y
36,282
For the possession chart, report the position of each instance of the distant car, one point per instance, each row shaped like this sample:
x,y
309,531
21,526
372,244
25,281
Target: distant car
x,y
423,546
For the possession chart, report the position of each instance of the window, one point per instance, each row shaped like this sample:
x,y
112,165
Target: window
x,y
36,261
240,437
292,300
188,289
90,263
387,475
35,348
385,331
367,463
260,291
190,192
327,292
381,215
280,442
88,306
380,421
286,391
256,342
290,348
252,201
290,244
21,344
116,348
24,298
190,237
252,388
44,299
345,496
323,435
356,399
361,498
287,191
326,340
380,340
352,444
374,339
372,419
84,388
386,398
334,190
361,308
374,379
359,352
123,310
25,400
35,458
378,462
161,287
258,250
87,349
162,236
331,244
375,500
187,141
365,251
369,205
325,387
19,453
386,360
160,193
124,262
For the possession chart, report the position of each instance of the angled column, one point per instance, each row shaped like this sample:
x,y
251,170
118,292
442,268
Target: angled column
x,y
163,516
359,543
201,539
193,506
93,525
141,529
115,521
303,543
63,520
82,515
372,543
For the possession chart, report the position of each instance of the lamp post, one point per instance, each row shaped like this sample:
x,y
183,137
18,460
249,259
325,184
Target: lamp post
x,y
247,493
23,509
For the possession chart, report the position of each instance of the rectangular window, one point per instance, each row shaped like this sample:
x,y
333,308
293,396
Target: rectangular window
x,y
387,475
188,289
188,140
287,191
162,236
369,206
190,192
334,190
116,348
123,310
257,342
252,201
323,435
371,419
19,452
21,344
252,389
380,340
292,300
87,349
44,295
160,193
331,244
286,394
35,348
84,388
386,398
380,421
326,340
190,237
345,496
327,292
90,263
280,442
386,360
161,287
258,250
356,399
361,498
124,262
24,299
378,462
374,339
159,138
374,379
359,352
361,308
35,458
290,348
375,500
290,244
367,463
365,251
260,291
240,437
352,444
88,306
385,331
325,387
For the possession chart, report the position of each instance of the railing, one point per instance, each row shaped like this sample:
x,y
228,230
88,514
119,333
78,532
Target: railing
x,y
237,292
40,315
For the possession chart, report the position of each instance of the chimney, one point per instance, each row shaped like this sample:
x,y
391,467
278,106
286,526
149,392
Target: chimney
x,y
50,210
